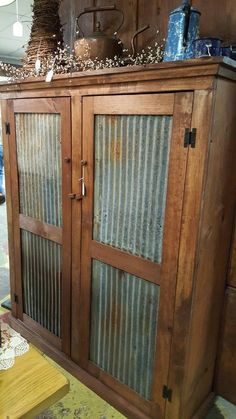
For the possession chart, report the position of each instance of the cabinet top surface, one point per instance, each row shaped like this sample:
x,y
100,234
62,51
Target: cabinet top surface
x,y
196,68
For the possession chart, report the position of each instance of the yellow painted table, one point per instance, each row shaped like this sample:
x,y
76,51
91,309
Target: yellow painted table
x,y
30,386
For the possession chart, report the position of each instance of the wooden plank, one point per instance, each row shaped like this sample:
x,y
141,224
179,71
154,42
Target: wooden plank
x,y
87,216
189,68
225,383
31,386
116,385
175,191
76,230
188,242
10,209
127,262
66,156
151,105
231,278
152,16
197,83
137,14
42,331
213,23
15,210
46,231
48,105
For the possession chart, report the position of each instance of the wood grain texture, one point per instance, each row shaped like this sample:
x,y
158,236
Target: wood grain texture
x,y
218,204
175,192
126,262
31,386
46,231
213,23
15,211
183,75
156,13
63,104
40,330
231,279
189,236
76,115
151,104
225,383
10,218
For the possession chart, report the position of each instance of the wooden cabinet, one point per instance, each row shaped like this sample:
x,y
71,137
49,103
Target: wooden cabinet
x,y
120,206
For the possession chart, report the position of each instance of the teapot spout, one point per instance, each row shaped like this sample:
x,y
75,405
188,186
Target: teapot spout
x,y
144,28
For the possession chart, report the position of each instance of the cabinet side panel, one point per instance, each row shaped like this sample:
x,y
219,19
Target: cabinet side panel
x,y
202,110
212,258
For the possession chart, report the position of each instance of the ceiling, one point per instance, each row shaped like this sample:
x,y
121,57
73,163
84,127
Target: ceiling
x,y
12,48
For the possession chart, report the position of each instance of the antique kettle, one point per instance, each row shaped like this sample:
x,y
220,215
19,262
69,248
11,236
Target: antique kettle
x,y
98,44
183,29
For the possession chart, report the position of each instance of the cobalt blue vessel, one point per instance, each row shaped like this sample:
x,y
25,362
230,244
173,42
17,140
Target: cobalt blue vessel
x,y
183,29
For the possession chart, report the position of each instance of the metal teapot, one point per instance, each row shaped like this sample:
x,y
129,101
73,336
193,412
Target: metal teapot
x,y
183,29
98,45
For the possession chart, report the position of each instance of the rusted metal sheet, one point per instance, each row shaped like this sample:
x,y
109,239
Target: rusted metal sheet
x,y
123,326
131,168
39,166
41,278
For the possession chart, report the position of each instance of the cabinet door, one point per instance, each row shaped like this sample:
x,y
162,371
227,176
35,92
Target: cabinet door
x,y
40,153
134,173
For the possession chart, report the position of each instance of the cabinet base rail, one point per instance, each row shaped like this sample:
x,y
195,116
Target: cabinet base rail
x,y
95,385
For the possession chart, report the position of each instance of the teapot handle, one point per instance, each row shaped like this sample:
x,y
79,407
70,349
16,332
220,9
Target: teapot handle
x,y
99,9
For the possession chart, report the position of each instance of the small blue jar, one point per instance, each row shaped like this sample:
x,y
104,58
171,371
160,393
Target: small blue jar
x,y
206,47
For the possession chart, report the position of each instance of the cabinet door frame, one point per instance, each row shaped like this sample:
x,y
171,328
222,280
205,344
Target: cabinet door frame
x,y
180,106
62,236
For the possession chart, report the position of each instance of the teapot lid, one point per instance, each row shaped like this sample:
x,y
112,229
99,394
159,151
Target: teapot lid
x,y
98,33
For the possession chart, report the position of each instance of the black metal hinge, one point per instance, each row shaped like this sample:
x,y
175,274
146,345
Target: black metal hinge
x,y
167,393
16,298
190,137
8,128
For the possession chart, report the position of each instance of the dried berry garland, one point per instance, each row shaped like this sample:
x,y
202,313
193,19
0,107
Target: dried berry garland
x,y
62,61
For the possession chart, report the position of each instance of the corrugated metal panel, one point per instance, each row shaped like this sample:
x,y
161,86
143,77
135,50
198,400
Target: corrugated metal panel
x,y
41,273
131,169
39,166
123,326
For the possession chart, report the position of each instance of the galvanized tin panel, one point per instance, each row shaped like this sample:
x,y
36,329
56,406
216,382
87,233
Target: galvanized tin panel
x,y
41,279
39,166
124,313
131,169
